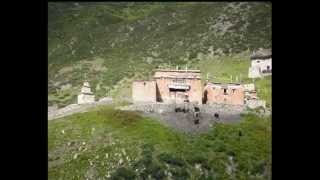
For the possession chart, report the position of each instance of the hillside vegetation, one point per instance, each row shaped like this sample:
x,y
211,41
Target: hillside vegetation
x,y
110,44
110,144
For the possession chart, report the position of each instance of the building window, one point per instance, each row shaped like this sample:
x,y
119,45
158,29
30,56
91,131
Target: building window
x,y
233,91
225,91
144,83
258,61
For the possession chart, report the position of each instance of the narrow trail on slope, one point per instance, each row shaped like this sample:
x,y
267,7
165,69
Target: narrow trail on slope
x,y
72,109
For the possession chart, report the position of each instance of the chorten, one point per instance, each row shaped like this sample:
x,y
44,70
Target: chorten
x,y
85,96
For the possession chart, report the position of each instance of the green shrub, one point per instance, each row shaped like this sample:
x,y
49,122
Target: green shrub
x,y
170,159
146,154
154,170
180,173
123,174
219,146
258,167
209,176
157,171
198,158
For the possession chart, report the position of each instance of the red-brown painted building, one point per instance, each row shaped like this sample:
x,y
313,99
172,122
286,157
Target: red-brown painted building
x,y
178,86
170,86
231,93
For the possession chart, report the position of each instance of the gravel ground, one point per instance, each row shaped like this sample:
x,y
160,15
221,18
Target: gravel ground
x,y
185,121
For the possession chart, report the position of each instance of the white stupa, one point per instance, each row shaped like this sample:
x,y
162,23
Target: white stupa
x,y
85,96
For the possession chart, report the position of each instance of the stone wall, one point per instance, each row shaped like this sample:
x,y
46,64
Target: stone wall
x,y
85,98
150,107
222,108
168,108
255,103
52,108
249,87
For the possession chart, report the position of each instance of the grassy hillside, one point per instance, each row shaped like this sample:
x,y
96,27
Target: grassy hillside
x,y
112,144
112,43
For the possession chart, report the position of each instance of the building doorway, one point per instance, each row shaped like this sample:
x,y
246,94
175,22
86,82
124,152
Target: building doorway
x,y
205,97
178,95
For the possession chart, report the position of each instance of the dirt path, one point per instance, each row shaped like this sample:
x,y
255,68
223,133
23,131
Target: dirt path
x,y
72,109
185,121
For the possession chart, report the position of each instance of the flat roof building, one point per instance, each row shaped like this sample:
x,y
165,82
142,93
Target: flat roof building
x,y
230,93
169,86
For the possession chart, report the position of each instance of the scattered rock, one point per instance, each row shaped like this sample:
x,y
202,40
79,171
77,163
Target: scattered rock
x,y
75,156
120,161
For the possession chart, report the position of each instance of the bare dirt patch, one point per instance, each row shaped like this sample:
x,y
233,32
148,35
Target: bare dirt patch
x,y
186,121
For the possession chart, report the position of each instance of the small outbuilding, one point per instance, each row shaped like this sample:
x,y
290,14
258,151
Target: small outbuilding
x,y
144,91
231,93
260,63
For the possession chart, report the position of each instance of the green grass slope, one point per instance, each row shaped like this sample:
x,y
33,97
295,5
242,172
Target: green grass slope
x,y
110,43
112,144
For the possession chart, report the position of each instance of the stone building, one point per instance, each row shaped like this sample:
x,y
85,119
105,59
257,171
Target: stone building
x,y
230,93
250,91
85,96
144,91
169,86
251,99
260,63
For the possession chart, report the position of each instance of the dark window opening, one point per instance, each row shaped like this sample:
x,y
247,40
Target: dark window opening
x,y
216,115
225,91
177,90
233,91
205,97
268,70
196,109
144,83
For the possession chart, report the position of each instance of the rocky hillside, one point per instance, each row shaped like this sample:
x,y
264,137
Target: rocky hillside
x,y
110,44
